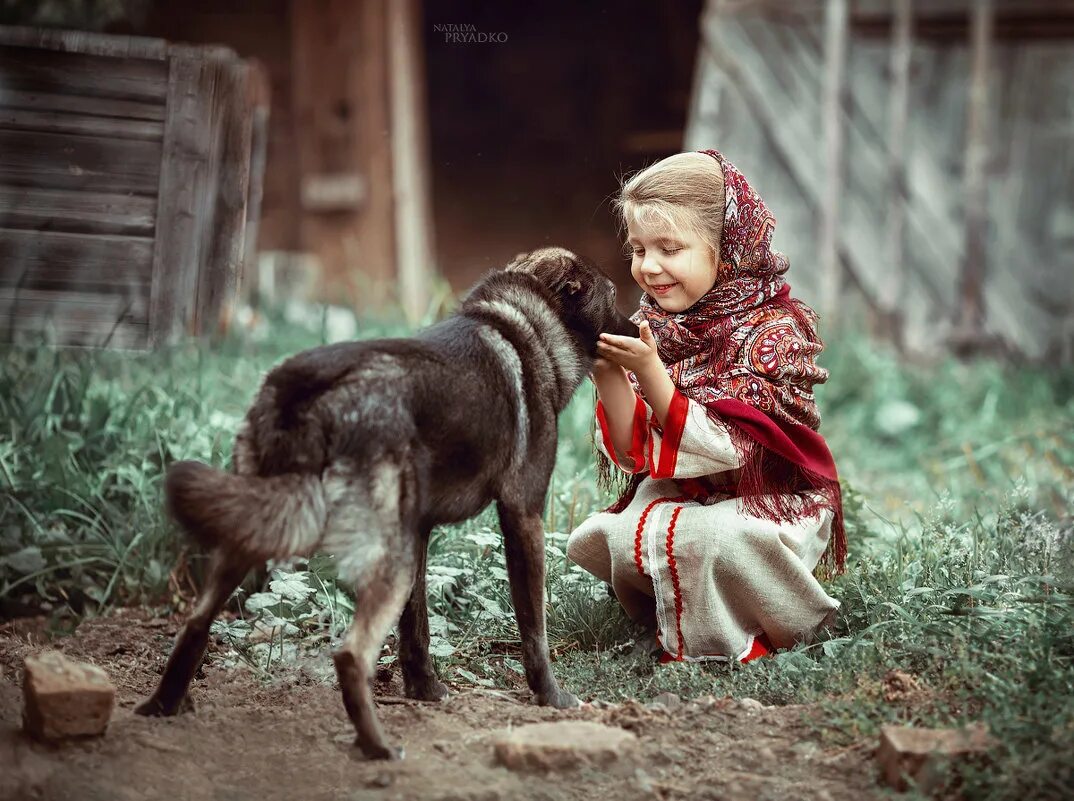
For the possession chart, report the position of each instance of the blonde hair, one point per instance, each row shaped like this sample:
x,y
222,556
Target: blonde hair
x,y
680,192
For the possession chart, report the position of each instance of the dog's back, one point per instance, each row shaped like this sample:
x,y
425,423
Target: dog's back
x,y
440,404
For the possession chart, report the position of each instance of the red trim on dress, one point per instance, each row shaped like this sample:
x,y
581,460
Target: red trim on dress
x,y
637,436
669,445
602,422
761,647
641,528
673,567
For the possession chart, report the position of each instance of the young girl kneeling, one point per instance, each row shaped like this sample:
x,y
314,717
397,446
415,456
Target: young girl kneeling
x,y
733,496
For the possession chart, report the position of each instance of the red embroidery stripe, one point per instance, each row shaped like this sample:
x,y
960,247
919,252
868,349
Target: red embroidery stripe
x,y
669,446
675,578
641,527
602,422
637,437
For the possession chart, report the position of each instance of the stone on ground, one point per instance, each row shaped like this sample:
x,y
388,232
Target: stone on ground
x,y
563,745
669,701
906,751
64,698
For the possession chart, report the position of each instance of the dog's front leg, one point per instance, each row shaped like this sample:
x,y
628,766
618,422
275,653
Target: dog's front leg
x,y
419,675
190,645
523,537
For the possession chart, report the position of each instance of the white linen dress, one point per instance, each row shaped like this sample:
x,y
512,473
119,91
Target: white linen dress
x,y
684,556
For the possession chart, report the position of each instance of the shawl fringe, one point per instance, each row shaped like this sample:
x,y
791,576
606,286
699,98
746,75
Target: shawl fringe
x,y
774,488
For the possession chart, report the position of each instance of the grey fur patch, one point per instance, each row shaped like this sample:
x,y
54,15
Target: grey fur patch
x,y
511,365
363,514
553,335
531,314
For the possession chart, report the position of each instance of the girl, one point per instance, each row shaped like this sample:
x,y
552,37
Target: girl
x,y
732,496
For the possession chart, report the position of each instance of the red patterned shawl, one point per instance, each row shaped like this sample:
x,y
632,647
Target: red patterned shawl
x,y
746,351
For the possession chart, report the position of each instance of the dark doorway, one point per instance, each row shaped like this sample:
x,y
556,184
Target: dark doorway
x,y
531,131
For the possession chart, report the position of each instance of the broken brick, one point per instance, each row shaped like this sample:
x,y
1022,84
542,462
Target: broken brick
x,y
63,698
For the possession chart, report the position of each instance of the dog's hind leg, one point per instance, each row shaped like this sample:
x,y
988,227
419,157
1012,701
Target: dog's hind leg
x,y
186,656
372,527
419,675
381,591
523,540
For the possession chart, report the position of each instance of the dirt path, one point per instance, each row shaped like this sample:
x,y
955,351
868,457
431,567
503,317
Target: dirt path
x,y
291,740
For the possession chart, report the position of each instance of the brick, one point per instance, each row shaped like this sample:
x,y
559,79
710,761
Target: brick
x,y
906,751
63,698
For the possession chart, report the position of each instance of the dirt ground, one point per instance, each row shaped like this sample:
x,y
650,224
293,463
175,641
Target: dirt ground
x,y
290,739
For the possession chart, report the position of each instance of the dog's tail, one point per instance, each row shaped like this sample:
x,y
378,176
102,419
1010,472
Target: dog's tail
x,y
257,518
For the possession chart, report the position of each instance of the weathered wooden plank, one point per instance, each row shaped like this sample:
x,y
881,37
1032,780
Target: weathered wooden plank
x,y
75,211
69,161
27,69
69,324
48,260
835,55
62,122
22,302
73,318
75,104
219,277
260,94
97,44
184,197
898,108
968,334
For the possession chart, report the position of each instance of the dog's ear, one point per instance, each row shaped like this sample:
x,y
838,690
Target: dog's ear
x,y
518,263
572,286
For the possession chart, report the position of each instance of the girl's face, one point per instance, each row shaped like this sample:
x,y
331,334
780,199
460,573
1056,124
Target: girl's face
x,y
674,268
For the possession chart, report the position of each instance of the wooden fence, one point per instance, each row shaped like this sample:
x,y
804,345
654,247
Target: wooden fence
x,y
918,157
125,179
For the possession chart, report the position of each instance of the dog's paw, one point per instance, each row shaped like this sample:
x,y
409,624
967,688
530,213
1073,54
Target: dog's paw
x,y
378,752
428,691
153,707
560,699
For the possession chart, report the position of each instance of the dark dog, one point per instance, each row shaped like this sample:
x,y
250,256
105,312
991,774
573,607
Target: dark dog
x,y
360,448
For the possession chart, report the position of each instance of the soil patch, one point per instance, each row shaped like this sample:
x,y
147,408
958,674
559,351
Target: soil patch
x,y
290,739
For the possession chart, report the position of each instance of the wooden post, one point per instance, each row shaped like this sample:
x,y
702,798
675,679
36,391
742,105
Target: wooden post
x,y
340,99
899,102
178,251
410,156
835,46
968,334
220,271
259,96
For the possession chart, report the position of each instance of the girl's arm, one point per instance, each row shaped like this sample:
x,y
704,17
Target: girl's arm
x,y
618,399
658,387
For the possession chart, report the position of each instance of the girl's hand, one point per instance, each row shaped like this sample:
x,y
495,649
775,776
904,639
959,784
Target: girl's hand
x,y
637,354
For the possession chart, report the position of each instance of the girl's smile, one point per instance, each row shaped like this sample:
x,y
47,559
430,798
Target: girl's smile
x,y
662,289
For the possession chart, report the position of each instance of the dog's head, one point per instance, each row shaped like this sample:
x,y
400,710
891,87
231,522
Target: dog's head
x,y
584,296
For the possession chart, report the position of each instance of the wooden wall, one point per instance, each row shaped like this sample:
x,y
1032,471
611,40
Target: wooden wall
x,y
81,137
124,177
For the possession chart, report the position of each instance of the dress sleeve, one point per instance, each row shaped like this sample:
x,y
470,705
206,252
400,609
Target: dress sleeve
x,y
633,461
691,445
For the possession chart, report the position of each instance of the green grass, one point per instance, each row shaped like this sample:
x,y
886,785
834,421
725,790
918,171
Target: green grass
x,y
957,479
